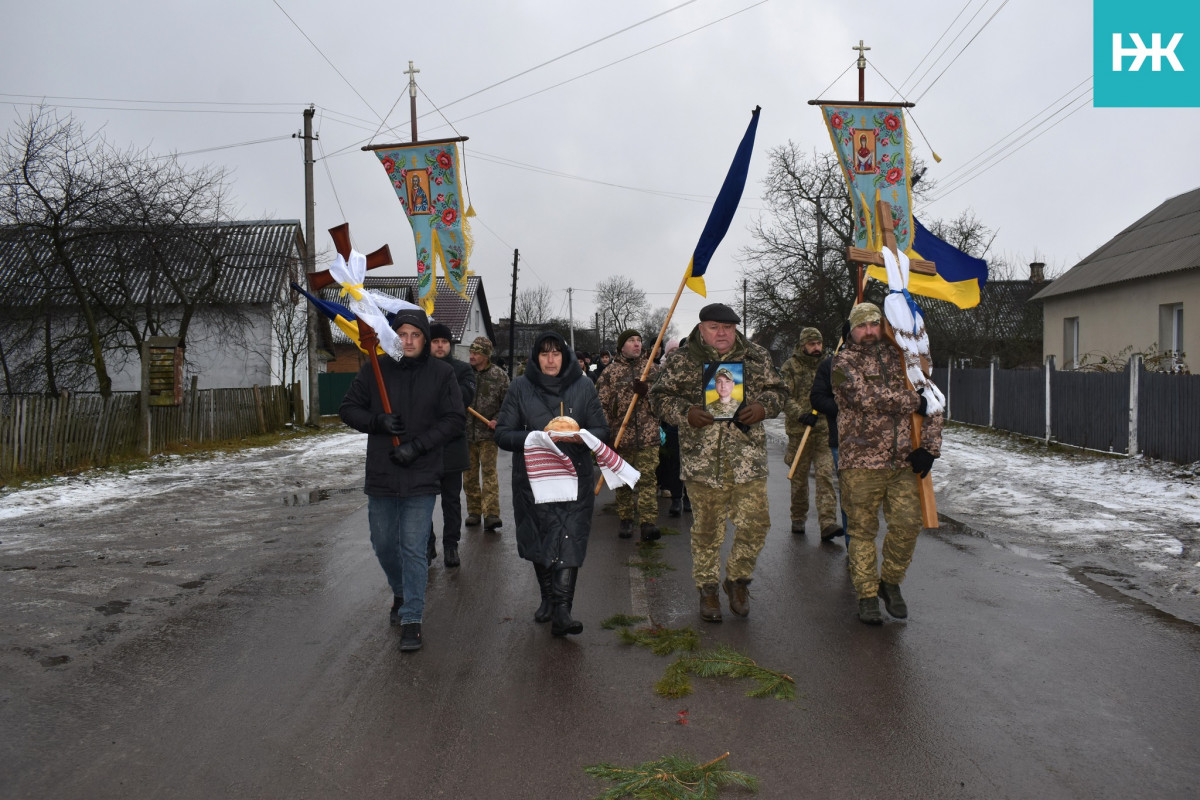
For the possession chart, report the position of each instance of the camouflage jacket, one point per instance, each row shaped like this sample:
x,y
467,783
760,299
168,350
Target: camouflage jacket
x,y
491,385
875,408
615,387
798,373
718,454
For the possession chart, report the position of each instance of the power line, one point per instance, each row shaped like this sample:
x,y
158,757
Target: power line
x,y
148,102
949,44
963,50
226,146
932,48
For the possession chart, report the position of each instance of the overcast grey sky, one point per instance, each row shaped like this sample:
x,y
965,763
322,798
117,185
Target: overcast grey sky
x,y
614,172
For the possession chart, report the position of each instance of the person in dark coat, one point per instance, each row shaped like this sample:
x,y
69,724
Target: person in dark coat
x,y
822,399
403,481
554,536
456,455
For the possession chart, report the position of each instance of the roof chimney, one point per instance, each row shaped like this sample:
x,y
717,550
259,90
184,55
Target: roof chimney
x,y
1037,272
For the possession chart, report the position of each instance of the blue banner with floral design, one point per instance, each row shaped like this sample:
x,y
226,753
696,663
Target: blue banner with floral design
x,y
872,146
426,179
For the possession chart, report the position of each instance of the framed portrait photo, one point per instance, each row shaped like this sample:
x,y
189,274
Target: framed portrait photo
x,y
724,391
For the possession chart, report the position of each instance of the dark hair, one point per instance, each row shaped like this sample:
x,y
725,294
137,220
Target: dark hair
x,y
550,344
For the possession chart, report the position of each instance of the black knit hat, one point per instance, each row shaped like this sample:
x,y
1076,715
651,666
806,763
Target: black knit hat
x,y
439,331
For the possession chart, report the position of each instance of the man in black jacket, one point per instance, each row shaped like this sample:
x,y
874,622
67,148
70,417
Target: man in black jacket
x,y
455,455
403,481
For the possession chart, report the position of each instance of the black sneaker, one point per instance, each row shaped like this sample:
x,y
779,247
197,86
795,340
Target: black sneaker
x,y
410,637
868,611
394,616
450,554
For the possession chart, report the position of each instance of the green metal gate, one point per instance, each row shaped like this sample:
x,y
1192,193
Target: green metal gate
x,y
333,387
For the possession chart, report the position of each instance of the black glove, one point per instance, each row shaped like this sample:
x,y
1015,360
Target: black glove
x,y
389,424
810,419
407,452
698,418
921,460
641,388
923,402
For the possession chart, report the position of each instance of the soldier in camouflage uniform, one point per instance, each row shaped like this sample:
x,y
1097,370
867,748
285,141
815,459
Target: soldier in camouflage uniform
x,y
877,462
617,385
491,384
723,463
798,373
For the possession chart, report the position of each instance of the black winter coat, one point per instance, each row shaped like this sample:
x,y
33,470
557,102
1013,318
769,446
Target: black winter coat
x,y
456,455
551,534
821,397
425,395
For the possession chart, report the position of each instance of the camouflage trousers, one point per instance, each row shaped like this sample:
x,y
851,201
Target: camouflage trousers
x,y
743,504
818,457
640,504
863,492
482,500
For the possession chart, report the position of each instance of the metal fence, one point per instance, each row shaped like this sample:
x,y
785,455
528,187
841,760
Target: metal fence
x,y
43,435
1133,411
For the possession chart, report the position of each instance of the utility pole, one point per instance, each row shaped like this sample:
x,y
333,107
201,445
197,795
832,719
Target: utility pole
x,y
512,317
310,266
571,316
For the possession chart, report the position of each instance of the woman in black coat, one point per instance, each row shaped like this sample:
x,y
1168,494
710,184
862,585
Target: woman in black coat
x,y
553,536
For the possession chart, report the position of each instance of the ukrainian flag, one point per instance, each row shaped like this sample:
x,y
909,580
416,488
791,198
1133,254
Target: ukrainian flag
x,y
959,278
339,315
723,210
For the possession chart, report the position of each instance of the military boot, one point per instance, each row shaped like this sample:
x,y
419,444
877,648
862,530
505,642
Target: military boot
x,y
868,611
625,531
739,596
472,520
710,603
893,601
649,532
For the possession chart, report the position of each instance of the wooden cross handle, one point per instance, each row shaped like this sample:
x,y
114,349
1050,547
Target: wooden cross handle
x,y
481,417
799,450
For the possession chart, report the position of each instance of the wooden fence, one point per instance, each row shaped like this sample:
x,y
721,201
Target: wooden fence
x,y
46,435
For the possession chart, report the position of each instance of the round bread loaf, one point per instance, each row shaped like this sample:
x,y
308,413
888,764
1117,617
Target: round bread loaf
x,y
562,425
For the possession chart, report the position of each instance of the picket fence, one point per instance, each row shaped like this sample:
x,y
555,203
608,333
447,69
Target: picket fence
x,y
45,435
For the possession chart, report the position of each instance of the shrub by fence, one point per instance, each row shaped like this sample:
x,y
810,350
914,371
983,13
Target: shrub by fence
x,y
1133,411
44,435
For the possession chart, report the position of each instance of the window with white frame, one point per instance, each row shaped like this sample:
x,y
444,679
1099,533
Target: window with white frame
x,y
1170,327
1070,342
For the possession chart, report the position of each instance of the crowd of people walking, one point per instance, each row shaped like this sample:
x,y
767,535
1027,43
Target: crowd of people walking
x,y
688,421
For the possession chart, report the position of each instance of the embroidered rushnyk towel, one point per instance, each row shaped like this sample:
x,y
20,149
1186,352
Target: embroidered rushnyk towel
x,y
552,476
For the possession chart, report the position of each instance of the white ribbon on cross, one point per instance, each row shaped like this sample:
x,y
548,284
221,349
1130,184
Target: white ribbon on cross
x,y
369,305
908,326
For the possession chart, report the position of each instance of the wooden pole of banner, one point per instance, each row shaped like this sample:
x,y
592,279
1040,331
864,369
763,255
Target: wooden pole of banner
x,y
799,450
481,417
662,332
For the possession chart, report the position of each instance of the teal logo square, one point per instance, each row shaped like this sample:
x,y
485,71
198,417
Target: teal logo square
x,y
1146,54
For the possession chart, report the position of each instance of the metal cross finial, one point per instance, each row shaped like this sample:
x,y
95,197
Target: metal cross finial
x,y
861,48
412,71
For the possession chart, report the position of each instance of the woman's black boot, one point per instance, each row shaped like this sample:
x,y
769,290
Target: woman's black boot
x,y
563,593
544,579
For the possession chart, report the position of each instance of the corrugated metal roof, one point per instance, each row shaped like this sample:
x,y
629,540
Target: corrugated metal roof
x,y
247,262
448,307
1165,240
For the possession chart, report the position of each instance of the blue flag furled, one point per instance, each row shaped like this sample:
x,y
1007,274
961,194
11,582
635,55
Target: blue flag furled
x,y
723,209
959,276
339,315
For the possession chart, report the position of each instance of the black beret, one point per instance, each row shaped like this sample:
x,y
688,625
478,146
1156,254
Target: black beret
x,y
719,312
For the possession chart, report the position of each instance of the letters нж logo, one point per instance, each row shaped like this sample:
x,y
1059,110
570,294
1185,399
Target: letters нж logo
x,y
1139,52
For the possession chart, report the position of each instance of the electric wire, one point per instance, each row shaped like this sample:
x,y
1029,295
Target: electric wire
x,y
329,175
963,50
946,49
931,49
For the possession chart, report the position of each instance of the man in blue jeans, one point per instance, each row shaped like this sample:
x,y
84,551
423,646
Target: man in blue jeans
x,y
403,481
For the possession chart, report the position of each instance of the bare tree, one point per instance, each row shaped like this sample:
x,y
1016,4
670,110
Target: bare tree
x,y
534,305
620,305
650,325
122,244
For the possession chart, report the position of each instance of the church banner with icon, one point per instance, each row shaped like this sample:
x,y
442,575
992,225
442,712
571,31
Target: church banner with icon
x,y
872,147
426,177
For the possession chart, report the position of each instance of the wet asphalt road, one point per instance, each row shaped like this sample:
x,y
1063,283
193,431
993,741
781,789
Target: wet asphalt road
x,y
1012,678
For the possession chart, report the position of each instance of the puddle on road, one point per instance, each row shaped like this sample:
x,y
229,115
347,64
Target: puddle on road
x,y
315,496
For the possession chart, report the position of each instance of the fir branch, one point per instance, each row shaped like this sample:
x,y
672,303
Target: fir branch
x,y
667,530
652,569
724,662
620,621
661,641
674,777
